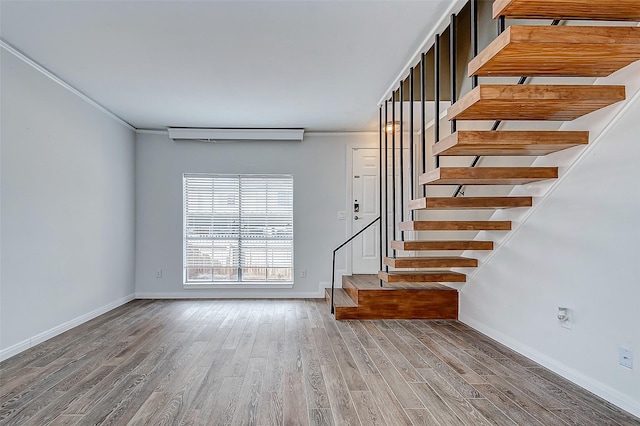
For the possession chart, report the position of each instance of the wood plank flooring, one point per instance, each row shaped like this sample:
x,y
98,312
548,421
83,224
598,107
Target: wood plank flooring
x,y
282,362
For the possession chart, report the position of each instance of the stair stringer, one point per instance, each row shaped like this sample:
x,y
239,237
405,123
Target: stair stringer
x,y
597,123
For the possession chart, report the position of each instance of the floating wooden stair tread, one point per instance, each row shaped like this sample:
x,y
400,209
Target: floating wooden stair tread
x,y
456,225
455,203
423,277
353,284
516,143
487,175
618,10
533,102
430,262
441,245
558,51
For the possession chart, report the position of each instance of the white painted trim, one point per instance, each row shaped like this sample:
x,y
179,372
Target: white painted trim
x,y
232,295
332,133
18,54
588,383
428,41
312,133
55,331
237,285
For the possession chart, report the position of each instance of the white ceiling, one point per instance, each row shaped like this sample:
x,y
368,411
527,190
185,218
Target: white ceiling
x,y
319,65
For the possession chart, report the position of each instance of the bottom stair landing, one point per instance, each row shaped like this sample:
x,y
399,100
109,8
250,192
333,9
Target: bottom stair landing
x,y
361,297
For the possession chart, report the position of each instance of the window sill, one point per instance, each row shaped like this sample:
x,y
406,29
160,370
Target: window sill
x,y
193,286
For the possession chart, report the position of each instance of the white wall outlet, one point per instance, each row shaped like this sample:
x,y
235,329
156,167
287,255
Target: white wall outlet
x,y
565,316
159,273
342,215
626,358
303,273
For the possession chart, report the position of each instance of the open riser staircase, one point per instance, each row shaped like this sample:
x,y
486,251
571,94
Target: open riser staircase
x,y
414,279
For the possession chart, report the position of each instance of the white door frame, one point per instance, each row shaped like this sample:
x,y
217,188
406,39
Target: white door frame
x,y
349,203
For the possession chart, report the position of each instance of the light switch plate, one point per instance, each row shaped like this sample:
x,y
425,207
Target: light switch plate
x,y
626,358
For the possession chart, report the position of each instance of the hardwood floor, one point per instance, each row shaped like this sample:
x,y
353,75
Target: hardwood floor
x,y
282,362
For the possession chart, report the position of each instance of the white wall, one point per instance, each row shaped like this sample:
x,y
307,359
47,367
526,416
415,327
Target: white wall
x,y
67,217
319,177
577,248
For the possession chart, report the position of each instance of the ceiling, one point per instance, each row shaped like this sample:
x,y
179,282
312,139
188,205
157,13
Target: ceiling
x,y
318,65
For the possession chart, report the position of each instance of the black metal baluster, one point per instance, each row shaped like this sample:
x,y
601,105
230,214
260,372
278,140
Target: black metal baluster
x,y
453,51
474,37
382,128
401,130
411,143
436,95
393,163
423,123
386,181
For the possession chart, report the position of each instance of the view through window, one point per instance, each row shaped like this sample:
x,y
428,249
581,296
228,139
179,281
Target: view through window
x,y
238,228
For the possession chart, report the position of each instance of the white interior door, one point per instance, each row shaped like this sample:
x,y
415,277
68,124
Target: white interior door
x,y
364,209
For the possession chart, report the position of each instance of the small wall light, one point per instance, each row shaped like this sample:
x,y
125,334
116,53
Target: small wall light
x,y
390,127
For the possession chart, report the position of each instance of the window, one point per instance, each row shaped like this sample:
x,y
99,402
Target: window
x,y
238,229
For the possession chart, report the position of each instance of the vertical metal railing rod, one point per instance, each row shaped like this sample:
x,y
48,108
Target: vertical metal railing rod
x,y
382,128
474,37
412,188
453,52
436,95
501,24
393,164
401,131
386,182
423,115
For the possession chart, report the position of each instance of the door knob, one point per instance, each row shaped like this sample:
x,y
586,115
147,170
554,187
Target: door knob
x,y
356,218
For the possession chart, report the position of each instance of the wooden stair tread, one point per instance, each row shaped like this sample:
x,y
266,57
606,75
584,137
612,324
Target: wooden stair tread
x,y
430,262
441,245
371,283
558,51
508,142
455,203
456,225
618,10
487,175
533,102
423,276
340,298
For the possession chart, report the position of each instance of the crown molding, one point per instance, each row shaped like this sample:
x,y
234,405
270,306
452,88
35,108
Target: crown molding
x,y
35,65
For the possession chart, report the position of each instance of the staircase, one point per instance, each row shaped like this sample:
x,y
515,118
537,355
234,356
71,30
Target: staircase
x,y
416,276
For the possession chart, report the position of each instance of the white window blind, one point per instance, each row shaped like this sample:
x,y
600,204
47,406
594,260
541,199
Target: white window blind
x,y
238,228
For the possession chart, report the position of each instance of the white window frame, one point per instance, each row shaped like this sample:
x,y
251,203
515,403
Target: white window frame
x,y
193,284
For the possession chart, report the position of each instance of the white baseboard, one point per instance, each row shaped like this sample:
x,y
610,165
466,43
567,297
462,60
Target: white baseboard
x,y
233,295
602,390
46,335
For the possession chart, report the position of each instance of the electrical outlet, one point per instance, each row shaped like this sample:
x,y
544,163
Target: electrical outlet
x,y
342,215
303,273
159,273
626,358
565,316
